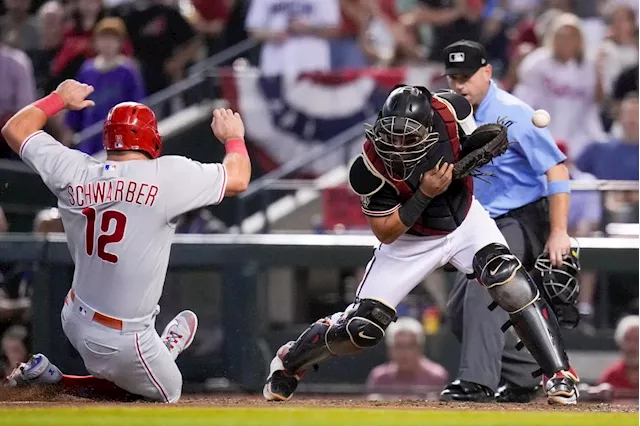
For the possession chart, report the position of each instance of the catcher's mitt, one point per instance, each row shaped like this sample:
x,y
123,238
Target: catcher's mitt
x,y
485,143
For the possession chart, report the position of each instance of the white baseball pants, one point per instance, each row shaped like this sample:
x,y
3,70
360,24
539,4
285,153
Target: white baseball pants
x,y
397,268
134,358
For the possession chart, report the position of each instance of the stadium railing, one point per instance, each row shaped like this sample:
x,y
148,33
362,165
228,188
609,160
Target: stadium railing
x,y
275,180
198,75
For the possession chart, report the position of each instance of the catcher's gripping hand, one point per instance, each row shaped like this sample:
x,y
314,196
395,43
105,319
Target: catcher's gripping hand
x,y
485,143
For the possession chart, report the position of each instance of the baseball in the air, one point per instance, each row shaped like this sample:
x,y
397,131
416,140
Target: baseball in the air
x,y
540,118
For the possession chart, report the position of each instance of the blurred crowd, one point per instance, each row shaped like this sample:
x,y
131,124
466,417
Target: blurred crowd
x,y
126,49
577,59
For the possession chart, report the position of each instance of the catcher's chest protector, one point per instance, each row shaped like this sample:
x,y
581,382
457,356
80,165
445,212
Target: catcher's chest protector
x,y
447,211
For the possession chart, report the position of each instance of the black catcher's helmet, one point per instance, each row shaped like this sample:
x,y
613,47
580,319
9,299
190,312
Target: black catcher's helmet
x,y
403,133
561,285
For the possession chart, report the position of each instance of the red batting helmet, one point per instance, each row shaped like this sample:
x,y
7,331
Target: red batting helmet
x,y
131,126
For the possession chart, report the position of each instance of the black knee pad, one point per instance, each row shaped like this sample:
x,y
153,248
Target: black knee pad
x,y
494,264
357,329
367,324
503,275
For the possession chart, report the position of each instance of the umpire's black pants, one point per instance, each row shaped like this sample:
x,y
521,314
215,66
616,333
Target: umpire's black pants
x,y
489,356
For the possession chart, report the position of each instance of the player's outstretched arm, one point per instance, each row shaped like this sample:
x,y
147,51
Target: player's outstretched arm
x,y
70,94
227,126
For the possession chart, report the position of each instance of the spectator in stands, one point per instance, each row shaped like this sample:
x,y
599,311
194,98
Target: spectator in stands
x,y
617,52
295,35
386,41
14,348
77,42
560,79
620,50
50,20
371,32
623,375
17,87
618,158
114,77
163,42
408,374
17,27
346,48
210,21
626,82
450,21
527,36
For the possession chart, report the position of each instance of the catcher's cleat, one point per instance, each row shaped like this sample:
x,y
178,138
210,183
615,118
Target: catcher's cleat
x,y
280,384
562,388
37,371
463,391
514,394
179,333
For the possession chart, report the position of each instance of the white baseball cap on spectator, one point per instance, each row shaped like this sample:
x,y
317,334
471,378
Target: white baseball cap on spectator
x,y
627,323
405,325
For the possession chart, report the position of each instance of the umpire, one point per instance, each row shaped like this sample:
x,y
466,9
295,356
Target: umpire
x,y
526,191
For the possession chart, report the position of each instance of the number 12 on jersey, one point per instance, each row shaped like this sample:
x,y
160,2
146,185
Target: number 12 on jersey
x,y
105,219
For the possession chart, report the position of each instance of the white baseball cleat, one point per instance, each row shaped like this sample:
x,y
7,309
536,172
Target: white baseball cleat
x,y
37,371
179,333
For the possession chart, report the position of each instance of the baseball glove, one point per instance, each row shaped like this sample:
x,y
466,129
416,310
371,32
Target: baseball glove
x,y
485,143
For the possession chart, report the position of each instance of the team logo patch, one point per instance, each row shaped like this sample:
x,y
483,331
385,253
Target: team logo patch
x,y
505,121
119,141
456,57
365,201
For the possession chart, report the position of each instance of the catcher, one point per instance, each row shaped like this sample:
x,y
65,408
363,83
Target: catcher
x,y
414,180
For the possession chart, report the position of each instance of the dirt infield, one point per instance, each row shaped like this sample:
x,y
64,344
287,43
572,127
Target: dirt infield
x,y
43,397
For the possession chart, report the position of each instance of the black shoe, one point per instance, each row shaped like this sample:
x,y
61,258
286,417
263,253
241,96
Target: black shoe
x,y
463,391
513,394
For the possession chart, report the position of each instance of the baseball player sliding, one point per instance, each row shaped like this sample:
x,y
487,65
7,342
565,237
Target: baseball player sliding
x,y
119,217
414,180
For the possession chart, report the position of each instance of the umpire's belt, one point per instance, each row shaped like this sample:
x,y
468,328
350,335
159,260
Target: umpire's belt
x,y
91,315
539,208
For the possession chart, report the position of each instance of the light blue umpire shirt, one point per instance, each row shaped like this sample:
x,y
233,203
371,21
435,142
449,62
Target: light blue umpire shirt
x,y
518,176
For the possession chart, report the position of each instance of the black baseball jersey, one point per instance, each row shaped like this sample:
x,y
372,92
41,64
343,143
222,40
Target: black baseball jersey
x,y
381,196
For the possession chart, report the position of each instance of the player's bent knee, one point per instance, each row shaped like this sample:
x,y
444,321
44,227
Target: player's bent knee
x,y
503,275
365,327
495,265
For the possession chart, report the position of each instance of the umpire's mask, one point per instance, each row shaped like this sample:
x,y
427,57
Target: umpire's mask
x,y
402,135
561,285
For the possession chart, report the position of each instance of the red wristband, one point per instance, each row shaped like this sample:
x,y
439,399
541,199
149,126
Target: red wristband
x,y
50,105
237,146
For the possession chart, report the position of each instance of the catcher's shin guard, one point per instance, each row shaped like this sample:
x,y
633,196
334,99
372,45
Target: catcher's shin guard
x,y
513,290
360,327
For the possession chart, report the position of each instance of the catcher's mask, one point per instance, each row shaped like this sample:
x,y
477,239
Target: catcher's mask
x,y
561,285
402,135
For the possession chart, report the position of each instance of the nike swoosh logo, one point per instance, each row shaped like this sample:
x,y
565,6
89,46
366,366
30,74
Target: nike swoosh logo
x,y
364,336
496,270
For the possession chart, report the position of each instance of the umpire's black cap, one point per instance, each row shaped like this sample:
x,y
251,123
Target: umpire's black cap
x,y
464,57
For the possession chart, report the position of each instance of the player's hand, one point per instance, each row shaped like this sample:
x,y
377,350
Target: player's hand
x,y
74,94
558,245
227,125
437,180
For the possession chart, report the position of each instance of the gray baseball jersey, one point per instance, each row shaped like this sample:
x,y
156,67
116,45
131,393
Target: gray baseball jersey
x,y
119,218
